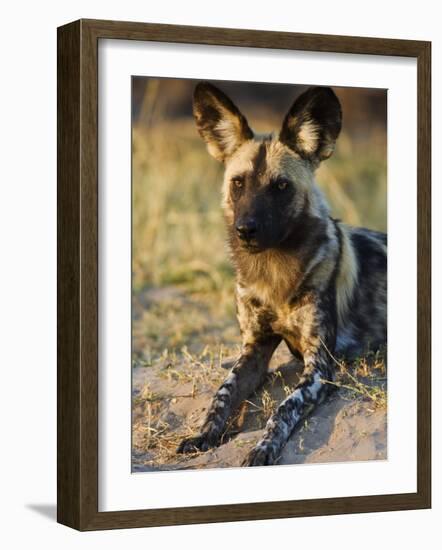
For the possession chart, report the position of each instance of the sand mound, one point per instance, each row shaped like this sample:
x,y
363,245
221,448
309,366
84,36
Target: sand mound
x,y
171,398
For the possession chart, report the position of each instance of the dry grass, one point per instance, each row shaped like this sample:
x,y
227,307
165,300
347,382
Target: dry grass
x,y
171,406
365,377
179,376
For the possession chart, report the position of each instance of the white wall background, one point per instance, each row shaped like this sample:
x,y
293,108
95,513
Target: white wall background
x,y
28,274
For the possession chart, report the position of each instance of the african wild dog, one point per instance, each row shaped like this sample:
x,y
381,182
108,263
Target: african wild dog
x,y
302,276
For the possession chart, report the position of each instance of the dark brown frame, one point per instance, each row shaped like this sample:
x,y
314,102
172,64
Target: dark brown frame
x,y
77,461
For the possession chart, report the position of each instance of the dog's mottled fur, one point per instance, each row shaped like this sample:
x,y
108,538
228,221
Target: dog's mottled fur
x,y
302,276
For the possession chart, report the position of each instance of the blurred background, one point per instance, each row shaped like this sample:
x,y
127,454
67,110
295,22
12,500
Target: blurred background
x,y
182,279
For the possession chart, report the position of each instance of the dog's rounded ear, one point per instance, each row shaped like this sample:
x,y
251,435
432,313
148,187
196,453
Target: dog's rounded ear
x,y
220,123
312,125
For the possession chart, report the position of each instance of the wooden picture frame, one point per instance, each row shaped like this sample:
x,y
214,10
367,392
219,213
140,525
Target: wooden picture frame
x,y
77,461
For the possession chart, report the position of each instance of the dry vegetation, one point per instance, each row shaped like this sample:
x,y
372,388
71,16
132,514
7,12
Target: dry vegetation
x,y
172,393
183,309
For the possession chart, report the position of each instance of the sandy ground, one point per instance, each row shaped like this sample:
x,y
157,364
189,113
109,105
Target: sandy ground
x,y
171,397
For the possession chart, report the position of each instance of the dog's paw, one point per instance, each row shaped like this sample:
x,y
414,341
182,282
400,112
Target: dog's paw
x,y
261,455
201,443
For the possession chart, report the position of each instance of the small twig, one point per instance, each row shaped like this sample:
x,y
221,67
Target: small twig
x,y
341,365
351,388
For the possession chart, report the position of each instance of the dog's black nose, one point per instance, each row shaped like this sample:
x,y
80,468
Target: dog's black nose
x,y
246,229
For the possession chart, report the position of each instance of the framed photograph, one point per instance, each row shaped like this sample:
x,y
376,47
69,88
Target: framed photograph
x,y
243,275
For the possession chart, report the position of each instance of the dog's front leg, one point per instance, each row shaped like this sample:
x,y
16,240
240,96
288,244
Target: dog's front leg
x,y
310,391
247,374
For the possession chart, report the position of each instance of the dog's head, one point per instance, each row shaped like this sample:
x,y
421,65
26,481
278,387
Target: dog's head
x,y
268,182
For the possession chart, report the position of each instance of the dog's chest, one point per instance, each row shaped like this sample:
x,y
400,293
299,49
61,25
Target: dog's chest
x,y
278,314
293,321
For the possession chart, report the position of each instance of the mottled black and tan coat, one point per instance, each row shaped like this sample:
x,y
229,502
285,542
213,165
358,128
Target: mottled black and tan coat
x,y
301,276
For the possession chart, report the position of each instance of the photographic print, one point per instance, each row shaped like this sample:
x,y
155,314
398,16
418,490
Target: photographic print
x,y
259,274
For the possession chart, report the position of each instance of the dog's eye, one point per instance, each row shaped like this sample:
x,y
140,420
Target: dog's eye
x,y
238,183
282,183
